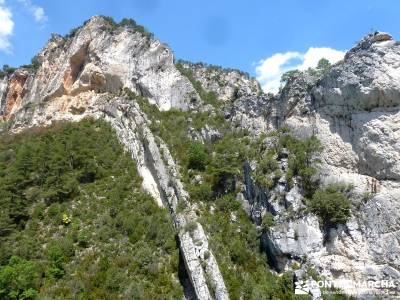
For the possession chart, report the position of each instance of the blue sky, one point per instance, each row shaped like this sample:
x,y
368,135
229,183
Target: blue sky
x,y
237,34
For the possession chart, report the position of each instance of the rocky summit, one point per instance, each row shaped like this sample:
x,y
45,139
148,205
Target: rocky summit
x,y
315,169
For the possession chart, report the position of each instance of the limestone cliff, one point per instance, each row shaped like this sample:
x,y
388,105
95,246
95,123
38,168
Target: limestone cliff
x,y
101,57
353,110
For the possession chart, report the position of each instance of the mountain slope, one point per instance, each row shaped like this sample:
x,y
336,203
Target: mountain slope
x,y
80,227
315,167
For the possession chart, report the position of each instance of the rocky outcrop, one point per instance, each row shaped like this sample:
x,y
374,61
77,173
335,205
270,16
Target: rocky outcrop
x,y
227,84
254,114
205,134
104,57
13,93
361,97
354,111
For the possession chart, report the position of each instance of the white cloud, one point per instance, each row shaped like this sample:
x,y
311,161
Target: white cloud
x,y
37,12
270,70
7,23
6,27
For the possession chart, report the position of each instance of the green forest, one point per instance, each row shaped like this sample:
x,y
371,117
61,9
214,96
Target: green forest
x,y
74,222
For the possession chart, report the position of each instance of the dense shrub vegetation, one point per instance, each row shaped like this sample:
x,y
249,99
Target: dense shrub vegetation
x,y
129,23
235,242
19,279
6,70
125,22
213,67
74,224
197,157
289,75
331,205
301,155
302,161
322,68
34,65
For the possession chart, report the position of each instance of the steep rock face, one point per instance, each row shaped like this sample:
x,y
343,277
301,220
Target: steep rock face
x,y
265,112
363,94
254,114
102,58
354,111
12,92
